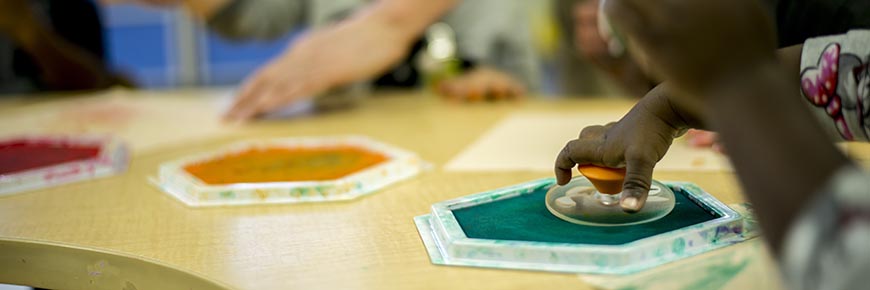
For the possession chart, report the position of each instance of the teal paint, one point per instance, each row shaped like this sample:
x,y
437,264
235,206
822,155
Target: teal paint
x,y
526,218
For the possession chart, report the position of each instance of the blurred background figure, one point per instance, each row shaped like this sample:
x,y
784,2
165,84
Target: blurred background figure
x,y
501,49
50,45
488,43
495,49
582,64
608,58
488,39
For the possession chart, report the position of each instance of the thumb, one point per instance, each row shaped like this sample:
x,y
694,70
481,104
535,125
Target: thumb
x,y
638,177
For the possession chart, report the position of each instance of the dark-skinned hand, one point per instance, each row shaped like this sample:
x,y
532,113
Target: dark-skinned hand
x,y
718,59
637,142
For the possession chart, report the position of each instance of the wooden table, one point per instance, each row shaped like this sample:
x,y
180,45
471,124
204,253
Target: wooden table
x,y
122,233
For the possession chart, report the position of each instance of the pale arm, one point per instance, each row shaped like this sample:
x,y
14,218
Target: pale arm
x,y
361,47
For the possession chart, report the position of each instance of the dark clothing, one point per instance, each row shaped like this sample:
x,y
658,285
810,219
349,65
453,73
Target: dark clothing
x,y
76,21
799,20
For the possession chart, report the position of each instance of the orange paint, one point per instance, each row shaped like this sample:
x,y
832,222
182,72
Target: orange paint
x,y
606,180
285,164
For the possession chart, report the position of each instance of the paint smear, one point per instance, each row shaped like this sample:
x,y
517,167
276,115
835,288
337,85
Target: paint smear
x,y
112,114
21,155
743,266
285,164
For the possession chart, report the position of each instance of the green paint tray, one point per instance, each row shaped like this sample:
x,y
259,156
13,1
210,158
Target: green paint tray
x,y
511,228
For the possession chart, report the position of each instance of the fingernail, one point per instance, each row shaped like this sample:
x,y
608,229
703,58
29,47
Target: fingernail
x,y
629,203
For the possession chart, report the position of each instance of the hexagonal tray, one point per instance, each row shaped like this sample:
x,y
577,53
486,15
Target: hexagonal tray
x,y
400,165
111,158
448,242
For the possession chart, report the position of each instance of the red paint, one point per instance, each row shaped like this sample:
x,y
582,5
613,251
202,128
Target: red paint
x,y
21,155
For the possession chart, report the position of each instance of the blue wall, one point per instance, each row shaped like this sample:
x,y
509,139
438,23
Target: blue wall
x,y
227,62
142,42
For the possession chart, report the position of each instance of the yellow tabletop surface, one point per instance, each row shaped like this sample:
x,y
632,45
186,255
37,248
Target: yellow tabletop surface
x,y
122,233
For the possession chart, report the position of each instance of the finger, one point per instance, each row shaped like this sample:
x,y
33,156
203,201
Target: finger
x,y
579,151
267,99
511,88
246,111
458,90
474,93
298,92
638,177
520,92
448,90
699,138
719,148
247,98
443,89
498,90
593,132
514,89
253,109
281,96
268,102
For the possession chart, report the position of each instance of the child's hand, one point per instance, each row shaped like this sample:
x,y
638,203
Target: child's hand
x,y
481,83
639,140
694,45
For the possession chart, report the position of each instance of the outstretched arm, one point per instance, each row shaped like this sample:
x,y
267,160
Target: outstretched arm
x,y
366,44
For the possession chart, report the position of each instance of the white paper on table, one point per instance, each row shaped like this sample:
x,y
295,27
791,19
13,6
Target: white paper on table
x,y
144,123
295,110
531,141
145,120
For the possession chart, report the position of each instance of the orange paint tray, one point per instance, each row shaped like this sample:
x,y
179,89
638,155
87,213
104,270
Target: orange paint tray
x,y
267,179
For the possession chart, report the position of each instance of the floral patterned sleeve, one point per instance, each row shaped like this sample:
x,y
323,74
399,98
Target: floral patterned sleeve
x,y
827,245
835,81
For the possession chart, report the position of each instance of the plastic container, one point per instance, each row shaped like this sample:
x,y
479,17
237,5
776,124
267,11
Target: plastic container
x,y
181,184
511,228
34,162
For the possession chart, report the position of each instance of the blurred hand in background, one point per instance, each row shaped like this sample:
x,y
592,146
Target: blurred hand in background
x,y
481,83
593,46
